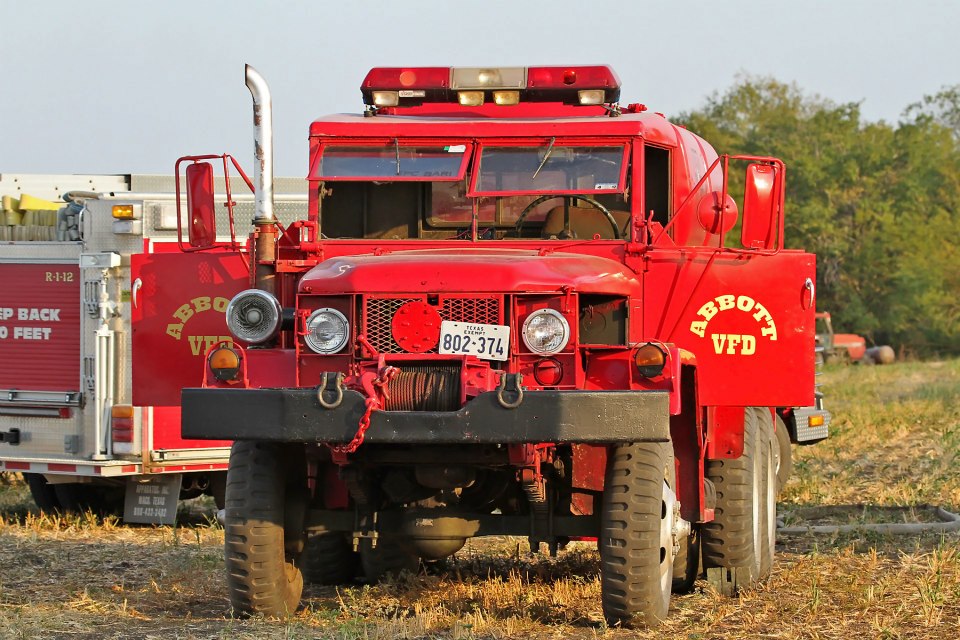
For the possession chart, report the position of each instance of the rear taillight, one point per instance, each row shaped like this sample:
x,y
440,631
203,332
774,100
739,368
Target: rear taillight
x,y
122,423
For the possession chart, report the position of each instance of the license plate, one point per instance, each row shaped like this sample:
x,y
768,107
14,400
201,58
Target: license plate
x,y
486,341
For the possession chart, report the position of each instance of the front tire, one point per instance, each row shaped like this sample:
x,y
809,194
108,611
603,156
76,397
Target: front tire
x,y
261,556
636,538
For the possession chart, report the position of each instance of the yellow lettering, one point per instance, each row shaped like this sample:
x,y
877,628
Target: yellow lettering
x,y
201,304
196,342
220,304
174,330
184,313
761,313
708,310
745,303
699,327
733,341
732,344
718,340
770,331
726,302
199,345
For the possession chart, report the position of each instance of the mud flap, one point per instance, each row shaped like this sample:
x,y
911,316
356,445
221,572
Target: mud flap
x,y
728,580
152,499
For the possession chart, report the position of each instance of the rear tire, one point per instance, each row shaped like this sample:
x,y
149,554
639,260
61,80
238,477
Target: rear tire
x,y
389,557
636,555
686,564
734,542
100,499
785,458
262,573
768,491
328,559
44,493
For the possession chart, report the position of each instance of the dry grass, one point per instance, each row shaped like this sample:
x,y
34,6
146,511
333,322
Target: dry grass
x,y
896,437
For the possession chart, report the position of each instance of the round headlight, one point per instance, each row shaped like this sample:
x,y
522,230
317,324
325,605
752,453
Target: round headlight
x,y
546,331
327,331
253,316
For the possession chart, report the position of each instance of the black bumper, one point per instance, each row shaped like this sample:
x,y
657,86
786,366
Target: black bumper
x,y
295,415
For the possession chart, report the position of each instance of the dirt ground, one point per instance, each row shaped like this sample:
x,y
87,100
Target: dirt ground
x,y
892,453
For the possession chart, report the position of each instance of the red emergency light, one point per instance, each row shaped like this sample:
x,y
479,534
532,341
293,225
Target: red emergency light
x,y
474,86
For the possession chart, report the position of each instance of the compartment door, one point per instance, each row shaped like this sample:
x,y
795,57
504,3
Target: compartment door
x,y
178,305
747,319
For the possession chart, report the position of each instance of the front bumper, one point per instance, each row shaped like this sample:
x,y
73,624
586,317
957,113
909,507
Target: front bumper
x,y
295,415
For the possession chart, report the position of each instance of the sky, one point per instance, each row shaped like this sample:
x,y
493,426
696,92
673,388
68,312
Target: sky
x,y
107,86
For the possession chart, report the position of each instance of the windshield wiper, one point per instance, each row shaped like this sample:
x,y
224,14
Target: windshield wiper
x,y
546,156
396,148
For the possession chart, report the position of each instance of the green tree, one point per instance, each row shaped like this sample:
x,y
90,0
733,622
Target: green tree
x,y
877,203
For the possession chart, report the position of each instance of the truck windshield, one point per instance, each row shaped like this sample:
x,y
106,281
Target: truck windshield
x,y
544,189
391,161
552,168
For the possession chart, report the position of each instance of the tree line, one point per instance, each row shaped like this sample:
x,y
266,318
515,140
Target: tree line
x,y
878,203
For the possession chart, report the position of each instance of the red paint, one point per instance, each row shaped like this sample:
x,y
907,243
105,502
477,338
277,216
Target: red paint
x,y
166,432
179,315
416,326
11,465
40,327
62,468
725,432
737,322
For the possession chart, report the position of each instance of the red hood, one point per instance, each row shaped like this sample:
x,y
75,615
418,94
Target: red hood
x,y
470,270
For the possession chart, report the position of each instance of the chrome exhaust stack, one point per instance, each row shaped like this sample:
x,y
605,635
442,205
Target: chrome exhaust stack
x,y
264,220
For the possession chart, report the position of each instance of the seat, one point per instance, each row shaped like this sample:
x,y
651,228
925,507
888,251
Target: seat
x,y
585,223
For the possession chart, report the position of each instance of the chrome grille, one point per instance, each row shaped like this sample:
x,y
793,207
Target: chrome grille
x,y
377,315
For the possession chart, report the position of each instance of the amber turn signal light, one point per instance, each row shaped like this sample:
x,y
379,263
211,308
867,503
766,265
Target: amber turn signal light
x,y
650,359
224,363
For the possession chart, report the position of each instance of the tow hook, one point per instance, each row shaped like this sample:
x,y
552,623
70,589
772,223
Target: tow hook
x,y
330,383
510,386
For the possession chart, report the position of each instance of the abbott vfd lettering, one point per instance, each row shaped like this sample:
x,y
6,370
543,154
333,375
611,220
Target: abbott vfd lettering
x,y
744,344
199,344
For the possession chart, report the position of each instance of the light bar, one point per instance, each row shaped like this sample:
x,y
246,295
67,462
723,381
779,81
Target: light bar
x,y
495,78
410,86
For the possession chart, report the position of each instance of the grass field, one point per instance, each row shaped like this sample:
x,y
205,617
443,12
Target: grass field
x,y
893,449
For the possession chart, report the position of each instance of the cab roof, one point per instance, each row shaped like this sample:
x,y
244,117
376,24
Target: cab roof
x,y
464,124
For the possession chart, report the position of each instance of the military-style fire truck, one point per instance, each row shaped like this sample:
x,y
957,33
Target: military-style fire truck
x,y
82,416
515,307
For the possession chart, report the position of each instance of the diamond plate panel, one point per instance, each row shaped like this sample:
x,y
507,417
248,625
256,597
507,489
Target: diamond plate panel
x,y
377,315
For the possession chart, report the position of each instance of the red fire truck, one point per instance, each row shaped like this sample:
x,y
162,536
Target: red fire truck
x,y
82,416
516,307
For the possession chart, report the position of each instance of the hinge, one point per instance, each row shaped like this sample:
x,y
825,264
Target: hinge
x,y
91,297
89,373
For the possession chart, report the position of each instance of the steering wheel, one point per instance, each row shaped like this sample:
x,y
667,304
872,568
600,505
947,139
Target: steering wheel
x,y
518,227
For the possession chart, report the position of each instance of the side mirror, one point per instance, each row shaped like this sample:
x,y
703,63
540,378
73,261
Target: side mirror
x,y
200,205
760,207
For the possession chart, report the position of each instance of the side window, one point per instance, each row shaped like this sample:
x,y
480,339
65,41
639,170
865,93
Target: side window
x,y
656,183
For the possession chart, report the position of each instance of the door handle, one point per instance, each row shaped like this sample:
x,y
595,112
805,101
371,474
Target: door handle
x,y
136,289
810,287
